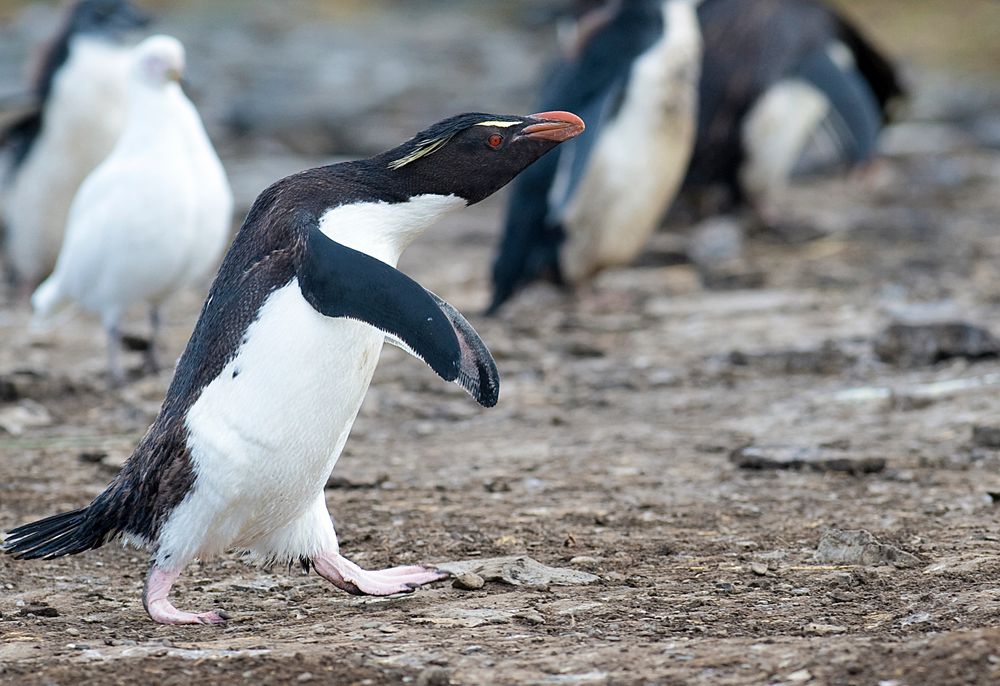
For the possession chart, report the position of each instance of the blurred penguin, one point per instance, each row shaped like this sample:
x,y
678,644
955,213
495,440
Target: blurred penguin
x,y
630,70
153,217
788,87
78,114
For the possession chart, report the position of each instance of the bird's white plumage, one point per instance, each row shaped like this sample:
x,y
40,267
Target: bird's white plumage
x,y
155,214
83,117
640,159
775,133
266,433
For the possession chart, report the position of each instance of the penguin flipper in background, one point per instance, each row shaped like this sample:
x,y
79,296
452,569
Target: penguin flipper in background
x,y
339,281
19,135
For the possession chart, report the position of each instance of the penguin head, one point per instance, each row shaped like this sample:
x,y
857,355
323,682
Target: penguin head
x,y
159,61
474,155
106,17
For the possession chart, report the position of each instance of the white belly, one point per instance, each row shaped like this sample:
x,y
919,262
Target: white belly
x,y
639,162
266,433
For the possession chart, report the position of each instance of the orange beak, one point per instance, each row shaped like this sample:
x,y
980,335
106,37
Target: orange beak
x,y
554,126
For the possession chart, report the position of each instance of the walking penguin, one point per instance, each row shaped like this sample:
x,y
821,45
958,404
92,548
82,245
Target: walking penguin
x,y
266,392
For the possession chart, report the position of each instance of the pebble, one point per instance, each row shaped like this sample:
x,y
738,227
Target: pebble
x,y
469,581
73,632
799,677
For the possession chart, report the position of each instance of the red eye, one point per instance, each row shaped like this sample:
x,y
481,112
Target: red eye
x,y
495,141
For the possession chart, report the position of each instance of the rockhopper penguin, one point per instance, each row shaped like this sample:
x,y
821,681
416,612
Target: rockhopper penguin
x,y
152,218
630,69
79,112
787,87
265,394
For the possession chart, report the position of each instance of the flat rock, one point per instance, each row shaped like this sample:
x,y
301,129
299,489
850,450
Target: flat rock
x,y
805,457
26,414
519,570
829,358
921,344
859,547
978,565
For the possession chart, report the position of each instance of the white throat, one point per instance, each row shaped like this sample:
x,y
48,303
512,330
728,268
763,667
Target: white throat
x,y
384,230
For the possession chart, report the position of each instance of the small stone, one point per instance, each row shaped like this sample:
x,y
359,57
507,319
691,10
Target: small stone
x,y
388,629
799,677
73,632
916,618
304,677
759,568
584,561
469,581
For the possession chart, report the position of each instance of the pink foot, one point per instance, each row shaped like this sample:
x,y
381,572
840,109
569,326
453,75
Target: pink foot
x,y
162,611
349,577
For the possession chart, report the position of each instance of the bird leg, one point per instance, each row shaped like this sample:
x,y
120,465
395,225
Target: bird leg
x,y
151,362
162,611
116,374
347,576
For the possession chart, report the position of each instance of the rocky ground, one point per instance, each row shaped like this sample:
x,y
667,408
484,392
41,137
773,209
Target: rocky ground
x,y
690,447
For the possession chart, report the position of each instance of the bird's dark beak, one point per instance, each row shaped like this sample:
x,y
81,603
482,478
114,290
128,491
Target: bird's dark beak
x,y
553,126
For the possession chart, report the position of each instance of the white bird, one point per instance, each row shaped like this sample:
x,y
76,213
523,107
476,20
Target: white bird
x,y
79,115
153,217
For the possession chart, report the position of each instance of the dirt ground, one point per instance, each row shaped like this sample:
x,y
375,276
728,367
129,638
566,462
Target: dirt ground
x,y
609,453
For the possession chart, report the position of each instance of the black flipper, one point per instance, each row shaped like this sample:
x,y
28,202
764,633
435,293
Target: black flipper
x,y
855,117
341,282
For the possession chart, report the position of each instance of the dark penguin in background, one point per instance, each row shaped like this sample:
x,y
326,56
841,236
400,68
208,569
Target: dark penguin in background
x,y
79,112
271,381
787,86
630,67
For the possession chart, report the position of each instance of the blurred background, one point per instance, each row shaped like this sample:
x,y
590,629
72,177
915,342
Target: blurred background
x,y
303,80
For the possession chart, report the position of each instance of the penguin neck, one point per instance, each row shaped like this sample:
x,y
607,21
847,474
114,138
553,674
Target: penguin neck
x,y
385,229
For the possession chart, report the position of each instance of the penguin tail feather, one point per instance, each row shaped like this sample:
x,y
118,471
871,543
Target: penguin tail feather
x,y
62,534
